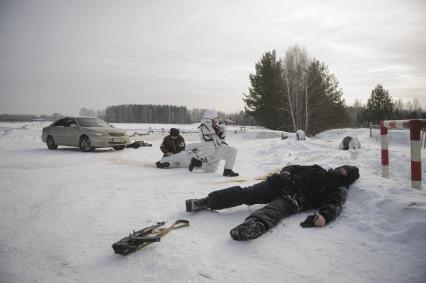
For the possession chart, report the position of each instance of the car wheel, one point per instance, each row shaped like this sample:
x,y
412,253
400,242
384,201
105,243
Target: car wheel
x,y
119,147
85,144
51,143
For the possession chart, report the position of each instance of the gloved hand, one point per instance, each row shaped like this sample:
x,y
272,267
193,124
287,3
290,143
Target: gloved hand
x,y
219,130
316,220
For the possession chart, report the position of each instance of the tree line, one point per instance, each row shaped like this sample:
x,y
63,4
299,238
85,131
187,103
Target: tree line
x,y
140,113
165,114
381,106
29,117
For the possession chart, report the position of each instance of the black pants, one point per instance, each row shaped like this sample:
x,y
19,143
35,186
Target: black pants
x,y
278,205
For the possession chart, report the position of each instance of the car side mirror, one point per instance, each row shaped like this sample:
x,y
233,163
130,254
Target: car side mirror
x,y
73,126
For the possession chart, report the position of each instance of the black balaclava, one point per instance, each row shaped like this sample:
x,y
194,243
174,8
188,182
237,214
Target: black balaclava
x,y
341,180
174,132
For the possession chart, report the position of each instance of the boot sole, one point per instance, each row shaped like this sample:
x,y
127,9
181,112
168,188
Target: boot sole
x,y
245,232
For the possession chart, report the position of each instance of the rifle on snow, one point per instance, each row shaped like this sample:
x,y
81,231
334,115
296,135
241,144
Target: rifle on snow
x,y
142,238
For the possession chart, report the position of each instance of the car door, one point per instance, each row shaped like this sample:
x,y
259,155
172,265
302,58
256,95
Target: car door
x,y
71,133
57,131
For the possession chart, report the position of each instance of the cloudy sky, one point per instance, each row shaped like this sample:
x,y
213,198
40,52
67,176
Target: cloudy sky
x,y
60,56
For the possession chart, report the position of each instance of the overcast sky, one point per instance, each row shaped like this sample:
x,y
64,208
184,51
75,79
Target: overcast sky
x,y
60,56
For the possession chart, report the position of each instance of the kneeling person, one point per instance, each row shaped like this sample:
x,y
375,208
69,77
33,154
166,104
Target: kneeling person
x,y
213,147
172,144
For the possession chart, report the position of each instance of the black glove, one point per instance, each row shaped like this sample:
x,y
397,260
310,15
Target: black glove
x,y
309,221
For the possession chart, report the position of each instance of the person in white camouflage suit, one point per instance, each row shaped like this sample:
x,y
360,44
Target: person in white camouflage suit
x,y
213,147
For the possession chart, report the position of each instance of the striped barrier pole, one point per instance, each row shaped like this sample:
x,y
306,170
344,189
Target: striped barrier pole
x,y
384,141
415,127
416,154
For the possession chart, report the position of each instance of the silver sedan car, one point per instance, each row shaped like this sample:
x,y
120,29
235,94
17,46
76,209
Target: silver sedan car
x,y
84,132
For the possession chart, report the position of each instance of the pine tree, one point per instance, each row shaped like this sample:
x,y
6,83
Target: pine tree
x,y
379,106
325,106
264,93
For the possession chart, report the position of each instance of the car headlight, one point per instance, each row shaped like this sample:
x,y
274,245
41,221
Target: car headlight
x,y
99,133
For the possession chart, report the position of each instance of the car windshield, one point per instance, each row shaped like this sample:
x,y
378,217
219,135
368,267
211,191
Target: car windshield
x,y
92,122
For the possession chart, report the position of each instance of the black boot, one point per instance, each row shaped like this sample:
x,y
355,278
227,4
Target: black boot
x,y
162,165
196,204
229,173
195,162
249,230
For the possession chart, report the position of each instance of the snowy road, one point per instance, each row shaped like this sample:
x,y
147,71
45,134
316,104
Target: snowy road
x,y
61,210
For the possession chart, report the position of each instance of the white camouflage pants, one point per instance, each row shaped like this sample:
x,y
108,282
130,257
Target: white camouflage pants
x,y
183,158
223,151
214,155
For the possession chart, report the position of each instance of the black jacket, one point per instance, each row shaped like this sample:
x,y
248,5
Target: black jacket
x,y
312,187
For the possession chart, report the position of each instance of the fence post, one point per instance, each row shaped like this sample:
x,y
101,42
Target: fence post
x,y
384,149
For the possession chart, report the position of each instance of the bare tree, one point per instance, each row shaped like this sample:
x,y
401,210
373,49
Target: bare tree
x,y
416,105
294,75
302,80
353,113
310,92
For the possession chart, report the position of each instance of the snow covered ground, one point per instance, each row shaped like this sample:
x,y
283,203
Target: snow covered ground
x,y
61,210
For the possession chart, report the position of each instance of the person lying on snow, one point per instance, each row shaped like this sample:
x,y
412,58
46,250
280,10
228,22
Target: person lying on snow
x,y
296,188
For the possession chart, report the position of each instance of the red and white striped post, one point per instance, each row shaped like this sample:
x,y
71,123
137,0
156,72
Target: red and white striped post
x,y
384,141
416,155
